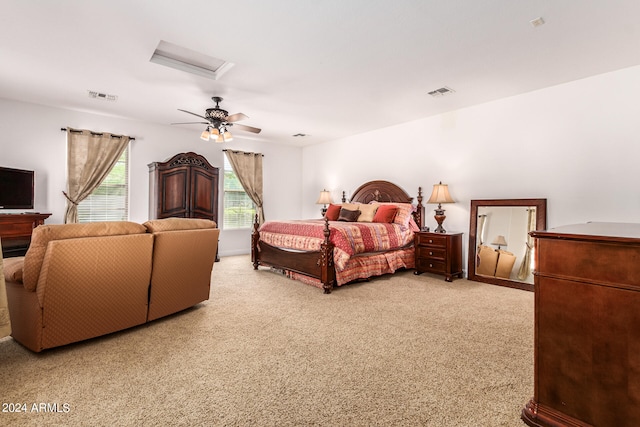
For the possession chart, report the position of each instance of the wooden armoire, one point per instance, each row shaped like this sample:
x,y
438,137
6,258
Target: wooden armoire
x,y
185,186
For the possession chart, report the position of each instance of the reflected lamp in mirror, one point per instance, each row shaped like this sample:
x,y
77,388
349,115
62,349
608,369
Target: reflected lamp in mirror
x,y
439,195
324,199
499,241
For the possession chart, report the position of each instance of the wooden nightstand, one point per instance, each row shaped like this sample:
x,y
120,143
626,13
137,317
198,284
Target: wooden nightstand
x,y
439,253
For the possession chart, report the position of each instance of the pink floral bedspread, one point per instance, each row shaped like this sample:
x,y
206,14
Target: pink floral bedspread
x,y
349,238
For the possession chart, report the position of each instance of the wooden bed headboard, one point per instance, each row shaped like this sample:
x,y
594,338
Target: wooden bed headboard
x,y
385,191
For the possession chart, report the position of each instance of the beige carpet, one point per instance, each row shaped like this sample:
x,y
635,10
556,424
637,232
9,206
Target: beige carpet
x,y
401,350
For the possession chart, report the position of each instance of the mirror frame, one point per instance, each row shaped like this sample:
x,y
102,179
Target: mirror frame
x,y
541,224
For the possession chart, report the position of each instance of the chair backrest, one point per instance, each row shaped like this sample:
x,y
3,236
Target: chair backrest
x,y
43,234
184,251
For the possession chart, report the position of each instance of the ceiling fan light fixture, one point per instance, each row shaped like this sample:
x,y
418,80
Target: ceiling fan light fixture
x,y
218,122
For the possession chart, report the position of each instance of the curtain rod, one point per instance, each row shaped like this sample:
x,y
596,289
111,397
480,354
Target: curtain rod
x,y
244,152
96,133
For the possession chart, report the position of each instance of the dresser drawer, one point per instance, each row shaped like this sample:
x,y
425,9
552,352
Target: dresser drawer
x,y
432,266
431,240
606,262
432,253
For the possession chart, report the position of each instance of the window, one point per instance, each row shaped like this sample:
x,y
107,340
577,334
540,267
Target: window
x,y
110,201
239,210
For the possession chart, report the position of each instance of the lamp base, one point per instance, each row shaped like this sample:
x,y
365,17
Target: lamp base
x,y
440,217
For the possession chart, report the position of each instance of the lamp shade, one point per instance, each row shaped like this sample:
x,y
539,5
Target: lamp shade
x,y
325,198
440,194
500,241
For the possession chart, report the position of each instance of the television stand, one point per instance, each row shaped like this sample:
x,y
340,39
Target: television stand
x,y
15,231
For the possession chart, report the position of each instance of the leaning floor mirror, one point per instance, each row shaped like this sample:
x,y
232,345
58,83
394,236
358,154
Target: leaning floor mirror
x,y
500,248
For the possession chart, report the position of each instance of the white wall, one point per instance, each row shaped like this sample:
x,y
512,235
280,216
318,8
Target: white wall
x,y
31,139
576,144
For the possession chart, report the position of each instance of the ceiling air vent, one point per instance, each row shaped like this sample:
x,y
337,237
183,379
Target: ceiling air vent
x,y
103,96
441,92
537,22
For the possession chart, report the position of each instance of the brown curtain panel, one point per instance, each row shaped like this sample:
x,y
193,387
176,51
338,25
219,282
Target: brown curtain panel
x,y
525,267
248,169
90,158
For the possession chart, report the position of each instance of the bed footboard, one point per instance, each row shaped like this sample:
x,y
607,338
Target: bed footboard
x,y
316,264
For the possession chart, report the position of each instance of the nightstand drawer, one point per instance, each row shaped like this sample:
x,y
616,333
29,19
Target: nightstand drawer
x,y
431,240
432,266
432,253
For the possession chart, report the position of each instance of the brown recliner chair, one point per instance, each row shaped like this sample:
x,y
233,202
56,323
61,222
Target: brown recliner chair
x,y
79,281
183,255
487,261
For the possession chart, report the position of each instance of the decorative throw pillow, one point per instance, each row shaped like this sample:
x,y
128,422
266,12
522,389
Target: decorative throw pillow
x,y
385,213
333,212
351,206
412,225
347,215
367,212
403,216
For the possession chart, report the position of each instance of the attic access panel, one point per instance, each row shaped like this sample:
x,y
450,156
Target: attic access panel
x,y
190,61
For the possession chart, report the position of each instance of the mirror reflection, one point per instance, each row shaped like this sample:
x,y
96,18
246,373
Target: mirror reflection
x,y
504,245
500,248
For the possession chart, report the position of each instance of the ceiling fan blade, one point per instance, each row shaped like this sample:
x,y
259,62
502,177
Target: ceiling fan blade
x,y
247,128
191,123
236,117
189,112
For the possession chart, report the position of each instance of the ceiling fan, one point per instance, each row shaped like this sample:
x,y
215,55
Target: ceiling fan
x,y
218,122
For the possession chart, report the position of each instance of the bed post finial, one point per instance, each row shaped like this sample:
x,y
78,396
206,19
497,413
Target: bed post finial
x,y
255,237
344,196
326,260
420,209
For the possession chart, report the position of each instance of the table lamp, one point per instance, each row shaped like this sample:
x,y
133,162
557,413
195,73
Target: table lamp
x,y
324,199
440,195
499,241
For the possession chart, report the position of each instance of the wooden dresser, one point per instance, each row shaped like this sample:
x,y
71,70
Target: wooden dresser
x,y
439,253
15,231
587,326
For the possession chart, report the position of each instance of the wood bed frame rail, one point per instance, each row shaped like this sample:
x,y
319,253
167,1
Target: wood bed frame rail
x,y
316,264
319,264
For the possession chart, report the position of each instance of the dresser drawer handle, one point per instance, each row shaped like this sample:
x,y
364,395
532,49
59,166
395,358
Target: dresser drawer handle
x,y
430,240
430,265
430,253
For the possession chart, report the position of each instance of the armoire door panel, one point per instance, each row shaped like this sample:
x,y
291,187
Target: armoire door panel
x,y
203,187
175,187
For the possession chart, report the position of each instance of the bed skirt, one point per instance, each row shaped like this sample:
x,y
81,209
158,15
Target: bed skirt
x,y
364,266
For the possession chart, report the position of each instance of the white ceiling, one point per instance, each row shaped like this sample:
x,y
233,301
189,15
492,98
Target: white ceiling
x,y
325,68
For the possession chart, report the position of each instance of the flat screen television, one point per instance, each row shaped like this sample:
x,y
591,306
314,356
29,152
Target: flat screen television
x,y
16,188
